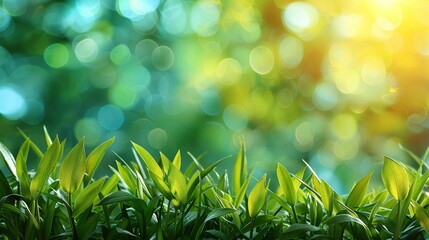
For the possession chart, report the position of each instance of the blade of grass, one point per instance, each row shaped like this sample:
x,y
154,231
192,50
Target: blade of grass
x,y
46,166
72,168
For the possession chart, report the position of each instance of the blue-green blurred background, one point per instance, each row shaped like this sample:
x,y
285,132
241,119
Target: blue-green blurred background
x,y
336,83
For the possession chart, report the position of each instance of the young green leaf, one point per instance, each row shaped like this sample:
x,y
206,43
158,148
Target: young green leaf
x,y
422,215
46,166
8,158
177,185
242,192
150,162
177,161
358,192
239,173
4,186
72,168
166,163
21,168
47,137
286,184
257,197
395,178
94,158
87,196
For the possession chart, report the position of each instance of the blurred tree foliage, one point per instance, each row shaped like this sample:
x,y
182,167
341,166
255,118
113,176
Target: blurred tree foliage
x,y
337,83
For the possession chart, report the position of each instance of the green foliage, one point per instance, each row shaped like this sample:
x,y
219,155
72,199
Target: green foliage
x,y
155,199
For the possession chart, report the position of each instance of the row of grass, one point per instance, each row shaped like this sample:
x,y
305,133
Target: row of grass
x,y
156,198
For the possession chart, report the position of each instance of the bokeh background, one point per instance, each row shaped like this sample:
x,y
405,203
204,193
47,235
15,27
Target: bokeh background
x,y
336,83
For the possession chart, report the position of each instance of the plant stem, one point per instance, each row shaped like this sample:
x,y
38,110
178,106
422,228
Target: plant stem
x,y
398,222
70,212
294,213
251,228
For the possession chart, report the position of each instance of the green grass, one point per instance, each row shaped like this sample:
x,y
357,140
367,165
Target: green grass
x,y
156,198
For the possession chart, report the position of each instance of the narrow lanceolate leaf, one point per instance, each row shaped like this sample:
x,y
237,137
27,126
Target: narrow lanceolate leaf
x,y
395,178
94,158
166,163
358,192
177,161
239,173
46,166
21,168
87,196
422,215
257,197
177,185
47,137
150,162
8,158
72,168
286,185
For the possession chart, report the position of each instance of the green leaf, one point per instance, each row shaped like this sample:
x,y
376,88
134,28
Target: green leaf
x,y
358,192
150,162
346,218
127,176
166,163
219,212
177,161
72,168
46,166
94,158
257,197
117,197
422,215
240,196
47,137
8,158
177,185
161,186
110,184
21,168
195,179
239,173
299,228
286,185
5,189
87,196
395,178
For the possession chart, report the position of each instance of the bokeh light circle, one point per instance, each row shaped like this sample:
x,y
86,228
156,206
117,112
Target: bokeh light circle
x,y
261,60
110,117
157,138
163,58
86,50
12,104
300,17
56,55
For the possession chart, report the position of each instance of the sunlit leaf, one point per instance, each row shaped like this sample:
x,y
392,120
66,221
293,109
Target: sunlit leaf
x,y
299,228
422,215
87,196
177,184
286,184
358,192
72,168
395,178
46,166
47,137
8,158
257,197
21,168
177,161
239,173
165,163
219,212
242,192
94,158
150,162
161,185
